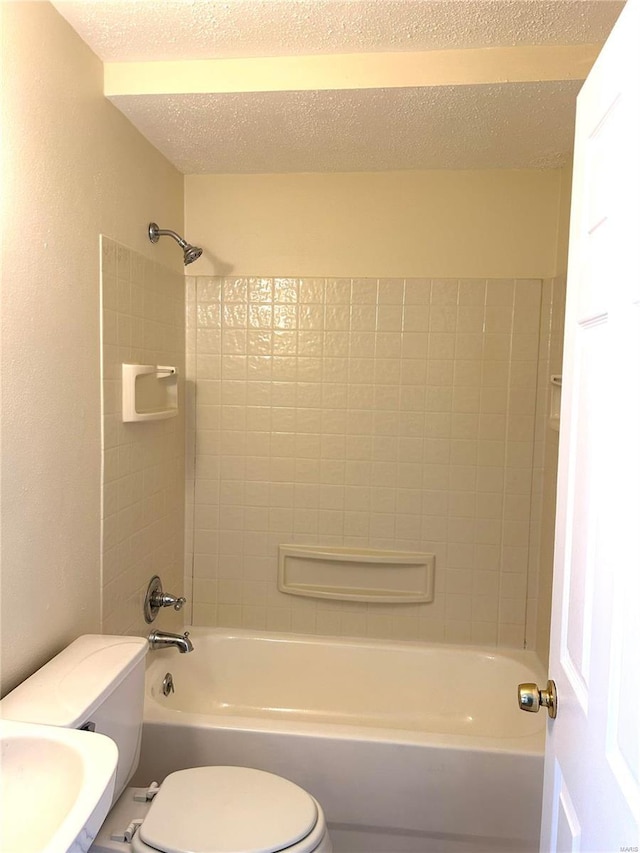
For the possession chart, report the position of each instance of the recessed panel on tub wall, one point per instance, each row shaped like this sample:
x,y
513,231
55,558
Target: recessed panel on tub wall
x,y
143,462
393,414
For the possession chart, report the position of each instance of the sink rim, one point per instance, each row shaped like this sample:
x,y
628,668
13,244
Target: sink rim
x,y
98,756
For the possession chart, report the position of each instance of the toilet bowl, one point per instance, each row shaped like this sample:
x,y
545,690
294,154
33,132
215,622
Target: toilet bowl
x,y
97,683
217,810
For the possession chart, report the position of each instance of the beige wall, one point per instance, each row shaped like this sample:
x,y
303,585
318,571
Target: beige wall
x,y
73,167
564,210
445,224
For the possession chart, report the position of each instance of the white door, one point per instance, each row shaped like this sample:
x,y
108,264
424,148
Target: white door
x,y
592,763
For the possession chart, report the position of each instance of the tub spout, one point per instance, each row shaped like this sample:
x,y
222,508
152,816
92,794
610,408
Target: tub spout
x,y
164,639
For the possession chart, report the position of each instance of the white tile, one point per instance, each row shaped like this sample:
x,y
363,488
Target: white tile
x,y
500,292
347,417
471,292
444,292
417,291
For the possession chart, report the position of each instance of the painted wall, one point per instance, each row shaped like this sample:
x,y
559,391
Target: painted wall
x,y
72,168
444,224
564,210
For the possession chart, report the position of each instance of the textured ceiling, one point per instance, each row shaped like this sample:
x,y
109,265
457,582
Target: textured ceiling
x,y
148,30
448,127
498,125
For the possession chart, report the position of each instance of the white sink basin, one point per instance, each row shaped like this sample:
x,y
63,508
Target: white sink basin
x,y
56,787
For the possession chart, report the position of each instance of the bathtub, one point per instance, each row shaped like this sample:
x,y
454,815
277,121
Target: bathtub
x,y
410,748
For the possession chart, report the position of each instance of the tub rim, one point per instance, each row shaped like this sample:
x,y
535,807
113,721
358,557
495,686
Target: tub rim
x,y
155,713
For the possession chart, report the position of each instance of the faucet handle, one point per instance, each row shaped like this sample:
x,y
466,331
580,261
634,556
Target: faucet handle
x,y
163,599
156,598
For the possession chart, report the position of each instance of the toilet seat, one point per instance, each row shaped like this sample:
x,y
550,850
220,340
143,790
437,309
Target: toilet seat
x,y
230,810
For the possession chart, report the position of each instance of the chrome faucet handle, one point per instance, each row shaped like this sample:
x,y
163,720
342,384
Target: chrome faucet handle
x,y
163,599
156,598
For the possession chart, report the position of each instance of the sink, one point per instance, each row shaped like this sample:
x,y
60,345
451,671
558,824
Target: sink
x,y
56,787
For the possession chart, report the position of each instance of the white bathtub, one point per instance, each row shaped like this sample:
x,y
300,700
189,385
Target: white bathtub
x,y
410,748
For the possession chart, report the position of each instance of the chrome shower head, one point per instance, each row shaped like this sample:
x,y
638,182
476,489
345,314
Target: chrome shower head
x,y
191,253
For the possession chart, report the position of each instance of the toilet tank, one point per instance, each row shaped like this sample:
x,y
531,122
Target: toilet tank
x,y
98,683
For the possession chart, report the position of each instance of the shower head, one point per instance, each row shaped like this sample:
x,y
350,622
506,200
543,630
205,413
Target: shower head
x,y
191,253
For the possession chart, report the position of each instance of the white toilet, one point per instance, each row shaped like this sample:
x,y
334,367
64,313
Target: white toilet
x,y
98,683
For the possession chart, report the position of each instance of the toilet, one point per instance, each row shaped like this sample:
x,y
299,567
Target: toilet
x,y
97,683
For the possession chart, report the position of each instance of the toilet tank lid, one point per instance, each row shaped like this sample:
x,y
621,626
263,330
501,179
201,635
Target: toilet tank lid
x,y
66,691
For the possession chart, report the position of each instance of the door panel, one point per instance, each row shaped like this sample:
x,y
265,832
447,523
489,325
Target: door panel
x,y
592,764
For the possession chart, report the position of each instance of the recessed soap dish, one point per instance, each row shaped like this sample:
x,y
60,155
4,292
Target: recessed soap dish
x,y
149,392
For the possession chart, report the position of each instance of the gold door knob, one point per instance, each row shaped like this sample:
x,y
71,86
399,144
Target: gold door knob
x,y
530,698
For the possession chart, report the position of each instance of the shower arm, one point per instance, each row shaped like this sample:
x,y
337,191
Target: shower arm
x,y
156,233
191,253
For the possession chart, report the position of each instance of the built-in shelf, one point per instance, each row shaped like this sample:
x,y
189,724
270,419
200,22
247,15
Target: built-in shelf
x,y
356,574
149,392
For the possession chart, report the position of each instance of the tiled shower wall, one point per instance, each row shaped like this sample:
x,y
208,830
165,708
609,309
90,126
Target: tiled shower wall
x,y
545,470
381,413
143,463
